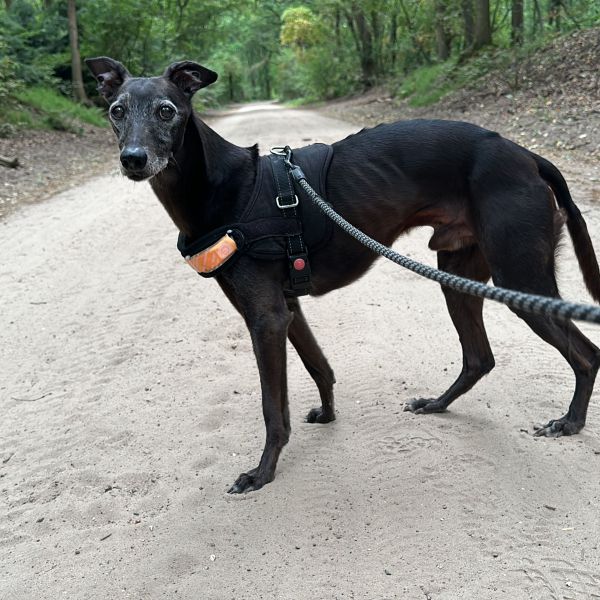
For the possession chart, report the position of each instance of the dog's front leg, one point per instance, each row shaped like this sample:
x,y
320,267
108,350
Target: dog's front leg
x,y
268,318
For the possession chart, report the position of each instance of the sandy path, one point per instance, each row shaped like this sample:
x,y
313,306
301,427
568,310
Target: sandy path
x,y
130,402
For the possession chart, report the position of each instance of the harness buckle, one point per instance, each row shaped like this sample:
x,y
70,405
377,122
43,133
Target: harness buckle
x,y
284,206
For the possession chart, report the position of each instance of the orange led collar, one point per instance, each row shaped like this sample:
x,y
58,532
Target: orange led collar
x,y
214,256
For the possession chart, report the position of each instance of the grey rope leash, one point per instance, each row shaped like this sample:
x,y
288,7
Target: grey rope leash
x,y
531,303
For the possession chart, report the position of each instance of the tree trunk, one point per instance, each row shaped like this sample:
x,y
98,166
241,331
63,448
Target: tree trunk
x,y
267,69
76,75
442,38
469,24
554,14
394,39
516,33
483,30
538,21
367,60
376,31
364,44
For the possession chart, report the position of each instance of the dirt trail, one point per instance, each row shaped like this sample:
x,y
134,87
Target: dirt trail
x,y
130,402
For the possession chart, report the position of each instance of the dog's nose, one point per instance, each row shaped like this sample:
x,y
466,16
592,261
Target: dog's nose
x,y
134,159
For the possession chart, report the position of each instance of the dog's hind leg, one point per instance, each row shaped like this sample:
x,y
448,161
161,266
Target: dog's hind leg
x,y
584,359
519,246
466,314
579,352
316,364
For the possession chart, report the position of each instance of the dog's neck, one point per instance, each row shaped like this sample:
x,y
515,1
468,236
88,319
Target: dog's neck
x,y
207,180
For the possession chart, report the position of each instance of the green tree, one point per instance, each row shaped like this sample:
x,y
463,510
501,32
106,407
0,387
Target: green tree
x,y
270,48
483,29
76,74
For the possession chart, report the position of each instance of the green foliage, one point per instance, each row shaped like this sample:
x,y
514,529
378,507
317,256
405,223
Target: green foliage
x,y
9,81
60,107
33,39
287,49
40,107
427,84
133,32
231,86
312,65
300,28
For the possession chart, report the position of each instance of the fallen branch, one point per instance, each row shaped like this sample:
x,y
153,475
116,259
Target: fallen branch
x,y
11,163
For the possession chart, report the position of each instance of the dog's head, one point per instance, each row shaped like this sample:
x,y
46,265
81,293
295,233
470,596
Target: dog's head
x,y
148,114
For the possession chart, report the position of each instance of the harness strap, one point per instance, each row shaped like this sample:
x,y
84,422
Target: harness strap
x,y
276,234
287,202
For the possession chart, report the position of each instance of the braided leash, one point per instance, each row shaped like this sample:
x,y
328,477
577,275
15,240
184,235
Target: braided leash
x,y
531,303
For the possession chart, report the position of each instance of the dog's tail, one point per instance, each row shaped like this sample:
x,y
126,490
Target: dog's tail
x,y
578,231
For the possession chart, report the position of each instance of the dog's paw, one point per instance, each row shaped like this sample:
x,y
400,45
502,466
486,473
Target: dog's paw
x,y
247,482
558,428
318,415
421,406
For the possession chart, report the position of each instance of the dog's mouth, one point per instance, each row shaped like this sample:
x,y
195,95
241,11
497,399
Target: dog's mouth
x,y
149,171
135,176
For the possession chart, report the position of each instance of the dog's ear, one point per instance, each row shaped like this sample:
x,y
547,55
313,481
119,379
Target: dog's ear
x,y
110,75
189,76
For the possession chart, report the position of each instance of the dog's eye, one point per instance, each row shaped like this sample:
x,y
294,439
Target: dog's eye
x,y
117,112
166,112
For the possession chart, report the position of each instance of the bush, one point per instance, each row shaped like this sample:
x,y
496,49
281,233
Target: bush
x,y
425,85
9,84
317,73
43,108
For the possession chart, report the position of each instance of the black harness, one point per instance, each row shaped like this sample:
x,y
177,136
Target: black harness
x,y
280,221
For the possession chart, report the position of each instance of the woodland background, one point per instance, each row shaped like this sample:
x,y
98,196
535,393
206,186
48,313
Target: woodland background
x,y
282,49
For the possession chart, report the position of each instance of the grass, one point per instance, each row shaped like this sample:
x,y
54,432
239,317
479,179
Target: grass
x,y
426,85
302,101
43,108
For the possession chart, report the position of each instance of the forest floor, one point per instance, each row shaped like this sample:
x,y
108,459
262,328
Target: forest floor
x,y
52,161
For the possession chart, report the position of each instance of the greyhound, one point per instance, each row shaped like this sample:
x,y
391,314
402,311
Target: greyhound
x,y
496,208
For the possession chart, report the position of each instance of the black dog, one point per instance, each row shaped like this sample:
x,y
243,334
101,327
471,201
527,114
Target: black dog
x,y
492,204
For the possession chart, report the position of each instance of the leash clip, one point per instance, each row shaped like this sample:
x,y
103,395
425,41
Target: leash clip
x,y
285,152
